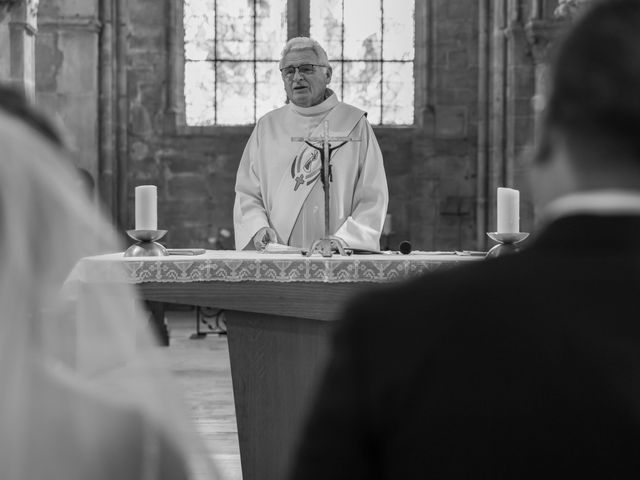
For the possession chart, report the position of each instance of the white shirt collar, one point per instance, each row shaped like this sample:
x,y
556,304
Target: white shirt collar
x,y
593,202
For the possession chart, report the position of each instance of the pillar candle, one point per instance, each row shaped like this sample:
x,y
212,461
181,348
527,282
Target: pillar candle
x,y
508,210
146,207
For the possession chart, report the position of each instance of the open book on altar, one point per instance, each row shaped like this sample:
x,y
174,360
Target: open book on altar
x,y
281,248
273,247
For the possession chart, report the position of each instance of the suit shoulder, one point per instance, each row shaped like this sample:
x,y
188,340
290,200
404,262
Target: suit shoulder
x,y
444,286
475,276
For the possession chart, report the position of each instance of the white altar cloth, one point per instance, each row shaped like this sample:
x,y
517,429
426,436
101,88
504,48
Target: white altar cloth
x,y
234,266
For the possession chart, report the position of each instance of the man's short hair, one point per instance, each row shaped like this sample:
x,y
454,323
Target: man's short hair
x,y
594,102
305,43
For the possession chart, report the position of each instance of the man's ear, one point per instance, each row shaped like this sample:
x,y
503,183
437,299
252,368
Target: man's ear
x,y
329,74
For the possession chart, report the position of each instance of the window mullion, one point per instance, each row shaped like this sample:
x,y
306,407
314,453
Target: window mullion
x,y
255,63
298,18
342,52
381,61
304,16
215,62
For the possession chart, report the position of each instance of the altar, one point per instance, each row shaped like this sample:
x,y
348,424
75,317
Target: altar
x,y
280,309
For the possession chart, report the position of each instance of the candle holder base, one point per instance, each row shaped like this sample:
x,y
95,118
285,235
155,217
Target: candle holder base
x,y
326,247
146,245
507,243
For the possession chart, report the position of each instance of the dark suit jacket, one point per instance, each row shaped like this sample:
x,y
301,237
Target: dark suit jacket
x,y
524,366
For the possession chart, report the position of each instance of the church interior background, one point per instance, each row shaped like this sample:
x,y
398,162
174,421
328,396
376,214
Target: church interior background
x,y
165,92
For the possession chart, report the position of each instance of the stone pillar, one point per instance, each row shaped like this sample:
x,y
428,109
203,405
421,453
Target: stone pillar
x,y
541,34
67,74
542,30
506,130
18,27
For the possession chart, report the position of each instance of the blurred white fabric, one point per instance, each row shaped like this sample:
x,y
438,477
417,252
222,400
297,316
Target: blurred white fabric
x,y
86,392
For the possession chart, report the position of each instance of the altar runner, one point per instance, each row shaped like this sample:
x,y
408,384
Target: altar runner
x,y
279,195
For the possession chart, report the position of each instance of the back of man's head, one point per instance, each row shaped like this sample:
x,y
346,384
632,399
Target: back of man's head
x,y
594,103
14,102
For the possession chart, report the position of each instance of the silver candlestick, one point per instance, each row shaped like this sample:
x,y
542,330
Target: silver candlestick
x,y
146,245
507,243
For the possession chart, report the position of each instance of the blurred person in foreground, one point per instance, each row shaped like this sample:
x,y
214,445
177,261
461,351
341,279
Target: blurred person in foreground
x,y
279,195
524,366
86,393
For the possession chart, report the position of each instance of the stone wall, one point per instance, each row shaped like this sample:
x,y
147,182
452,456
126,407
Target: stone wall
x,y
476,78
5,53
67,72
18,26
430,168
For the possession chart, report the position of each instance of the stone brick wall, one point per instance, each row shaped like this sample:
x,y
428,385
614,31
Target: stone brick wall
x,y
443,163
18,25
5,53
67,74
105,69
430,168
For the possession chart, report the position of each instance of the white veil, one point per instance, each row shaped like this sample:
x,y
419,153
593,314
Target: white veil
x,y
84,390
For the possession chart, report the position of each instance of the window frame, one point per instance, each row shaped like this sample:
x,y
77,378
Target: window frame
x,y
298,24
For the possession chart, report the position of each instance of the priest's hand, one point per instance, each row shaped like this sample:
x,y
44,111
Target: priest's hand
x,y
264,236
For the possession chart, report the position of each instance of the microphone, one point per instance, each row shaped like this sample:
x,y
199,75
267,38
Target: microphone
x,y
405,247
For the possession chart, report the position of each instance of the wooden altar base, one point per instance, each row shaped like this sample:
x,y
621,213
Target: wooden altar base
x,y
278,328
275,364
278,337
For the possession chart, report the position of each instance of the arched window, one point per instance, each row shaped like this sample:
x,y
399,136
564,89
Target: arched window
x,y
231,50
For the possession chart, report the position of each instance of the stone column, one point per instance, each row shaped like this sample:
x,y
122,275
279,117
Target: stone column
x,y
542,31
67,74
18,27
544,27
541,34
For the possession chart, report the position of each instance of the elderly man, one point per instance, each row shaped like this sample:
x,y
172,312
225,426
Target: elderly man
x,y
279,195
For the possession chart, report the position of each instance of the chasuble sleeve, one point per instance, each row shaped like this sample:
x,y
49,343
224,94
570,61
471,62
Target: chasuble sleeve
x,y
363,227
249,211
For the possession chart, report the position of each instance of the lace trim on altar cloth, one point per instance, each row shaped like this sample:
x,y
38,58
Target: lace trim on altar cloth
x,y
257,269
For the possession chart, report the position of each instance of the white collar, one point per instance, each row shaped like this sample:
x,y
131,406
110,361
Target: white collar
x,y
593,202
323,107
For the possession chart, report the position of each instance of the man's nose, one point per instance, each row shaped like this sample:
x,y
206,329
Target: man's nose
x,y
296,74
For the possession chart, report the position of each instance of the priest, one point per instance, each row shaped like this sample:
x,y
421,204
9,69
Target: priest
x,y
279,195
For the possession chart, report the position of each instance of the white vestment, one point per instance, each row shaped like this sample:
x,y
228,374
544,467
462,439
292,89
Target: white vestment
x,y
278,183
85,392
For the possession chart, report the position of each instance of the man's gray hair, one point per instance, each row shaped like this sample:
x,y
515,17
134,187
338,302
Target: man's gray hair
x,y
305,43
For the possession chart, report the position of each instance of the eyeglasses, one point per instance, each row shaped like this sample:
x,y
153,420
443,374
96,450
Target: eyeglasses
x,y
306,69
